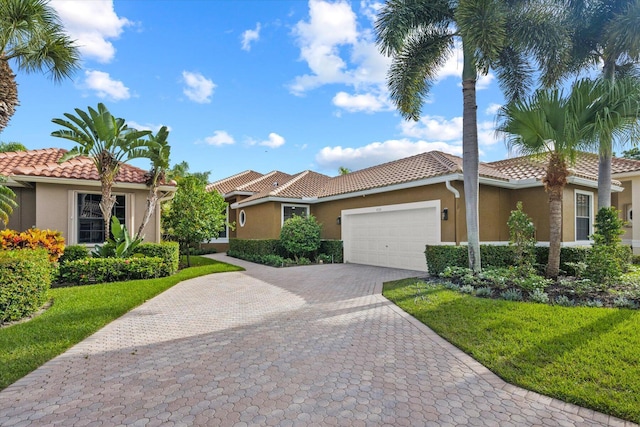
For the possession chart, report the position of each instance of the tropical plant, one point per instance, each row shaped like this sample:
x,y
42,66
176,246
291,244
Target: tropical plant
x,y
632,153
6,147
522,238
548,123
421,35
108,142
32,37
604,32
159,152
121,245
7,201
344,170
195,214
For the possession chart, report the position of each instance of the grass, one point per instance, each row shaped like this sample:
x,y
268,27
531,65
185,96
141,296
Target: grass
x,y
78,312
586,356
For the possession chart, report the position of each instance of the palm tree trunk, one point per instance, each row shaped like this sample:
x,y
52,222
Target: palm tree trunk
x,y
152,200
470,158
106,205
8,93
555,231
604,179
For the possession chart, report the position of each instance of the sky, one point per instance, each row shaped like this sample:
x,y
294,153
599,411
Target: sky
x,y
287,85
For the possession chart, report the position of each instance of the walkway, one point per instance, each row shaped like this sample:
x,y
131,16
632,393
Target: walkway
x,y
315,345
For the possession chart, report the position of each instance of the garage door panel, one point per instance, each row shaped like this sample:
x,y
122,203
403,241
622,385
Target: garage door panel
x,y
391,236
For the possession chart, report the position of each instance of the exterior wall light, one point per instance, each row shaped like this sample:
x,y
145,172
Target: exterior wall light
x,y
445,214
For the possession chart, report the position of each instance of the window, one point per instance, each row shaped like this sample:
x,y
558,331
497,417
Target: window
x,y
90,221
583,215
223,235
242,218
289,211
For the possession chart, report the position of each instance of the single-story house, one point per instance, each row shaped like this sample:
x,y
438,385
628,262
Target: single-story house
x,y
65,196
386,214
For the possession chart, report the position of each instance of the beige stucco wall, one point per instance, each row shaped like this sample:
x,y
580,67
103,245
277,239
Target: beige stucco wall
x,y
55,204
621,201
262,222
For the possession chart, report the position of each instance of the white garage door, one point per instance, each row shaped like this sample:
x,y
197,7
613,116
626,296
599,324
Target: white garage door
x,y
392,235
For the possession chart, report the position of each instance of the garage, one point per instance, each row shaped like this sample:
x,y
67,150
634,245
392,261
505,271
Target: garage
x,y
391,236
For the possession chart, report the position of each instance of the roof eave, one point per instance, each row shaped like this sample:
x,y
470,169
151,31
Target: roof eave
x,y
25,179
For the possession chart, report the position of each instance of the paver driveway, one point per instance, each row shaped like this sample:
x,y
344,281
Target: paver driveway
x,y
298,346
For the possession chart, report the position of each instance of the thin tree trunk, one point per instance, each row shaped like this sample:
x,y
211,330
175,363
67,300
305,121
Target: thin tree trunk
x,y
106,207
152,200
604,179
555,231
470,159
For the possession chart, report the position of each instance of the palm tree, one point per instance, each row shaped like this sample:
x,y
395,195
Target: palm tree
x,y
159,151
31,35
6,147
342,170
7,201
605,32
420,35
550,124
108,141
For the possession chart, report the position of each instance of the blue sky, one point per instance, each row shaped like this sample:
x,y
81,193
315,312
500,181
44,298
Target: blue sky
x,y
248,84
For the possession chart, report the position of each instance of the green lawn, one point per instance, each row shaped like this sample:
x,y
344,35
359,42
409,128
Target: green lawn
x,y
77,312
586,356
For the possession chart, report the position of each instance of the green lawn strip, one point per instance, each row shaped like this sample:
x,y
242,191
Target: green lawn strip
x,y
586,356
78,312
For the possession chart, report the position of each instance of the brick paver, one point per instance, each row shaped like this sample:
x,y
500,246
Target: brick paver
x,y
315,345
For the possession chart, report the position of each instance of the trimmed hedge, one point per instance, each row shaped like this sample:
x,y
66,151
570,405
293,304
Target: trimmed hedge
x,y
25,278
74,252
441,257
102,270
168,251
271,251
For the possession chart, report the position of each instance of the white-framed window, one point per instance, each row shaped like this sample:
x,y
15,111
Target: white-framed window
x,y
86,221
290,210
242,218
584,215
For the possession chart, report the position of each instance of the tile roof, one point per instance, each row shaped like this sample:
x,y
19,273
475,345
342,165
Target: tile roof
x,y
432,164
44,163
228,185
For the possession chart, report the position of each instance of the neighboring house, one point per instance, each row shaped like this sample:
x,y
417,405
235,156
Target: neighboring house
x,y
65,196
386,214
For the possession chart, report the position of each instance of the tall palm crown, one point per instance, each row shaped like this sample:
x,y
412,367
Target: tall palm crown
x,y
605,33
32,37
420,35
552,124
108,141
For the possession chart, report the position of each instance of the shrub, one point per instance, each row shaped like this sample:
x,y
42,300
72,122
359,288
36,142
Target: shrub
x,y
300,235
34,238
451,286
25,278
539,296
256,247
168,251
333,249
522,238
101,270
74,252
564,301
594,303
531,282
623,302
608,258
512,295
467,289
484,292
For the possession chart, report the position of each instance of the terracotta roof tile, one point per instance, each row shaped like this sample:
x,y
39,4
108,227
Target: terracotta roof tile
x,y
266,182
228,185
44,163
303,185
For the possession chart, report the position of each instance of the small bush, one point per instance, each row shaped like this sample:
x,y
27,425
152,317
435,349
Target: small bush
x,y
168,251
512,295
451,286
484,292
34,238
300,235
104,270
333,249
623,302
564,301
531,282
25,278
467,289
539,296
272,260
522,237
256,247
303,261
594,303
74,252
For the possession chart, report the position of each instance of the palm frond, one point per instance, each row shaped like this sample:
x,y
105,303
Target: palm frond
x,y
7,201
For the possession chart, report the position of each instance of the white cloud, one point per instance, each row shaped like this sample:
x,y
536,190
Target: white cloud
x,y
250,36
219,139
492,109
198,88
147,126
105,86
274,141
439,128
331,158
366,102
91,24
